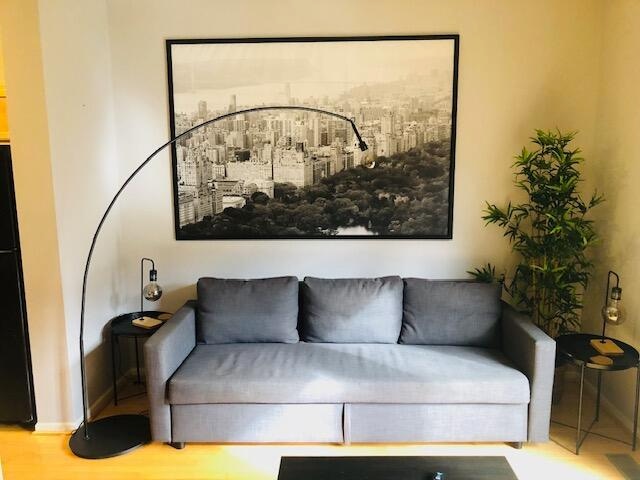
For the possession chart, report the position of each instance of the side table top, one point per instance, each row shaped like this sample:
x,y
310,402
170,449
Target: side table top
x,y
121,325
577,347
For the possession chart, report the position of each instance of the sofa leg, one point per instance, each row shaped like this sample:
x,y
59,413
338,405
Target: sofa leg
x,y
177,445
517,445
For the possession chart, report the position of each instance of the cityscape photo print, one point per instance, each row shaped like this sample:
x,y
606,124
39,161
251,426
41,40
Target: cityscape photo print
x,y
294,173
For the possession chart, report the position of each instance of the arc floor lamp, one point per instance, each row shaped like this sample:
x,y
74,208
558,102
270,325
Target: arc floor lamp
x,y
118,434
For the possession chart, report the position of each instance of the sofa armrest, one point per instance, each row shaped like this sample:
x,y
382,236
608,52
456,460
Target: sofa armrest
x,y
164,352
534,353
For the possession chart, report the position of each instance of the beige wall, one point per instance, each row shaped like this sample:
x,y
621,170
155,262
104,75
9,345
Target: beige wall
x,y
2,80
618,175
78,90
4,121
64,152
519,62
36,212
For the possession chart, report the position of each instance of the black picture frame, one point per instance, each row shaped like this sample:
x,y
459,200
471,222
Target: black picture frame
x,y
180,234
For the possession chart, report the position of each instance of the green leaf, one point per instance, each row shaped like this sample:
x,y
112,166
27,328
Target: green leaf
x,y
549,233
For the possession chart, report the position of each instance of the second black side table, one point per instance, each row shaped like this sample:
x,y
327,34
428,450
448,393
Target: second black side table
x,y
577,348
121,326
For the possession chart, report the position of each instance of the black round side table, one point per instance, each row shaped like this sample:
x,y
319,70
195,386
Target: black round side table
x,y
121,326
577,348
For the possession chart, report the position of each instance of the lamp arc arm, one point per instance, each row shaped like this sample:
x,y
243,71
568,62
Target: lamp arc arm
x,y
361,144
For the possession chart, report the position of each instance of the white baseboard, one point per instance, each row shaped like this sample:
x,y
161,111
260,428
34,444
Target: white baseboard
x,y
95,408
55,427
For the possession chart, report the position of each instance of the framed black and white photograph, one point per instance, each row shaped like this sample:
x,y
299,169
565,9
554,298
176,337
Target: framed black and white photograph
x,y
313,137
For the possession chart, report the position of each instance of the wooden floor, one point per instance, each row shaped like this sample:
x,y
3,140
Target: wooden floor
x,y
26,455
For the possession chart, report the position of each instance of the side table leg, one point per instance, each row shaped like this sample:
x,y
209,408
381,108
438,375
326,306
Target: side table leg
x,y
598,395
579,427
114,345
137,362
635,410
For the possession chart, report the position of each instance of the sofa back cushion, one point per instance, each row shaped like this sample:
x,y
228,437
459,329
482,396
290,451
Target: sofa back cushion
x,y
248,311
438,312
351,310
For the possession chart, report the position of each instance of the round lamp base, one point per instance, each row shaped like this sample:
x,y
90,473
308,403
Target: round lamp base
x,y
111,436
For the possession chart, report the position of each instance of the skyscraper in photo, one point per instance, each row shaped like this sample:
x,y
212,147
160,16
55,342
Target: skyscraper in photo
x,y
388,124
232,104
331,131
316,126
202,109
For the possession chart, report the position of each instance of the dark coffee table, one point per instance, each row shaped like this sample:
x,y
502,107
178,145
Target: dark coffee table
x,y
394,468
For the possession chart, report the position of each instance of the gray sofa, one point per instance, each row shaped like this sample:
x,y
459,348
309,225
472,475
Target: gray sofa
x,y
348,360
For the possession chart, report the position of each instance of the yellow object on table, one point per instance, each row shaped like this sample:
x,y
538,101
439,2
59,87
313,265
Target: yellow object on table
x,y
601,360
147,322
606,347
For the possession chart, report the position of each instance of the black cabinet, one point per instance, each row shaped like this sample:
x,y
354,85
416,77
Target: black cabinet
x,y
16,385
8,230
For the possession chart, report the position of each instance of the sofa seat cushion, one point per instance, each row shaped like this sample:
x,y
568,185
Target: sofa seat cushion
x,y
346,373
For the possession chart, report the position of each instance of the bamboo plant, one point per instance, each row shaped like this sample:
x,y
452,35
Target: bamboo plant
x,y
550,233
